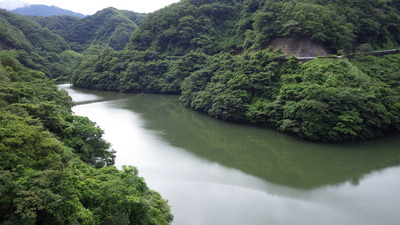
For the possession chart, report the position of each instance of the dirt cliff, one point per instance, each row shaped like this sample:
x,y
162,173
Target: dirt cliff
x,y
299,47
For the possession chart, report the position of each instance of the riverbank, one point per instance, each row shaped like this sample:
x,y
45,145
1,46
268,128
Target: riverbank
x,y
214,172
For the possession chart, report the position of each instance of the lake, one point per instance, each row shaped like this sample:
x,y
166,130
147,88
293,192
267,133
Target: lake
x,y
219,173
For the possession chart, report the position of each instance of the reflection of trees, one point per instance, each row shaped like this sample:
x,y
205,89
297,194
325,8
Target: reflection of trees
x,y
100,95
267,154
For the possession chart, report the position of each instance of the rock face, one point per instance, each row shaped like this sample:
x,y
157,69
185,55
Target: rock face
x,y
299,47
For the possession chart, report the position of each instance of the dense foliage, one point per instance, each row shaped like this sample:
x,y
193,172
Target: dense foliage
x,y
215,25
337,100
189,25
22,33
134,71
57,24
211,52
168,45
338,24
55,168
324,99
41,44
38,48
156,58
109,26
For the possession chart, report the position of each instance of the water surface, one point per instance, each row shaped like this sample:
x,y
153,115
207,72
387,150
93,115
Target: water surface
x,y
213,172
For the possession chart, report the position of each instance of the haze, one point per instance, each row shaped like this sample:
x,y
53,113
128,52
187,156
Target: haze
x,y
89,7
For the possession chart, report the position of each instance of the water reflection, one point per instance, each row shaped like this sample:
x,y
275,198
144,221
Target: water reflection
x,y
84,96
214,172
264,153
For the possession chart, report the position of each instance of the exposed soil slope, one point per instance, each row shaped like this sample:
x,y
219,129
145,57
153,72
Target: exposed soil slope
x,y
299,47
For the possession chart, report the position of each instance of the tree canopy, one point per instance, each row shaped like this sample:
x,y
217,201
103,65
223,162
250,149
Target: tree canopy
x,y
38,47
109,26
55,168
215,54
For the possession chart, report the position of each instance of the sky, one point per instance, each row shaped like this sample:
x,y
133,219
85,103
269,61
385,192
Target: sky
x,y
89,7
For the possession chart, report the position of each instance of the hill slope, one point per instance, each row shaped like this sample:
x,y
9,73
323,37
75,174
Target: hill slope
x,y
215,54
45,10
37,47
55,166
56,24
22,33
109,26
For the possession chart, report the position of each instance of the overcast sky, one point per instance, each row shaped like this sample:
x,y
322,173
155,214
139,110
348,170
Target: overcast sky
x,y
89,7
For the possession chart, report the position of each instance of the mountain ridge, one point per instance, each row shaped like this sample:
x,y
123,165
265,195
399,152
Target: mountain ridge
x,y
45,11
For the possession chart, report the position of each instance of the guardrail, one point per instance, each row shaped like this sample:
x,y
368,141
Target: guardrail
x,y
352,55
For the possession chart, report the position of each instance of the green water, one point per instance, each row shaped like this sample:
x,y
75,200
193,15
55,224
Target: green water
x,y
213,172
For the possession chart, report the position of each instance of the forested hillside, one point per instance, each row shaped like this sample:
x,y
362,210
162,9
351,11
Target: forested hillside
x,y
341,25
214,25
56,24
55,168
41,43
215,53
109,26
38,48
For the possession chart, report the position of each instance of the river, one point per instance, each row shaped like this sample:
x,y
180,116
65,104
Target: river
x,y
218,173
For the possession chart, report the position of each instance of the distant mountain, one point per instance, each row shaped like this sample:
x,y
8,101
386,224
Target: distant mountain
x,y
44,10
